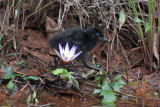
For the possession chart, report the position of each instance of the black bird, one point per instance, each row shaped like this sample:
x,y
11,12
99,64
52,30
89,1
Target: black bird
x,y
84,39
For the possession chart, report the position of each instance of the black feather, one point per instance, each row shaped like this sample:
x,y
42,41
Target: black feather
x,y
84,39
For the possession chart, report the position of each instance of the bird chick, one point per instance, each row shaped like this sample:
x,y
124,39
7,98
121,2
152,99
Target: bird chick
x,y
84,40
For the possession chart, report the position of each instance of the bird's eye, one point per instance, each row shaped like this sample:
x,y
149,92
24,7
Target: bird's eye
x,y
98,34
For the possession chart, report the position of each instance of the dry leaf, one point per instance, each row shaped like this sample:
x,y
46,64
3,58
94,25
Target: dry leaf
x,y
156,46
51,27
71,22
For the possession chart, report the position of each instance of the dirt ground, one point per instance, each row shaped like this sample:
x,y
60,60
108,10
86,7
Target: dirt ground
x,y
36,52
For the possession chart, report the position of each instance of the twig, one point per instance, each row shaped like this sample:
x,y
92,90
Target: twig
x,y
24,86
43,105
124,53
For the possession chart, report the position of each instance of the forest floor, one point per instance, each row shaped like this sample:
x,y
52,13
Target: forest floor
x,y
36,55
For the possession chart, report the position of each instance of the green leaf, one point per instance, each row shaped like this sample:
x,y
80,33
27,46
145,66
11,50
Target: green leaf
x,y
118,77
21,62
9,73
100,78
7,69
75,83
2,63
109,104
0,40
15,75
97,91
132,83
64,76
98,65
143,80
147,27
36,100
34,78
122,18
16,13
29,99
118,83
10,85
138,20
121,82
109,97
107,92
60,71
11,54
34,96
105,86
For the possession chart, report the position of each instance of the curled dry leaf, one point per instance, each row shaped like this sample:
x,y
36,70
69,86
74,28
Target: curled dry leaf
x,y
51,27
156,46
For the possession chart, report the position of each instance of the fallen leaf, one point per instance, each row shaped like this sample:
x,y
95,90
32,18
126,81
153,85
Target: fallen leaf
x,y
156,46
122,18
51,27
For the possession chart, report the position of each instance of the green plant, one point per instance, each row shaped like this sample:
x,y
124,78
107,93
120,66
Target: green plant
x,y
10,54
147,25
64,74
32,98
108,90
150,47
10,75
0,40
141,34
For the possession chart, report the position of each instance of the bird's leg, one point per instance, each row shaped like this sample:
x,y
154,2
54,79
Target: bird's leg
x,y
84,61
56,59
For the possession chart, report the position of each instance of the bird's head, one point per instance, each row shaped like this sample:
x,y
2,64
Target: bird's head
x,y
95,34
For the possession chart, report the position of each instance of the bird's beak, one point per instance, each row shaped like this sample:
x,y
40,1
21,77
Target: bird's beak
x,y
104,40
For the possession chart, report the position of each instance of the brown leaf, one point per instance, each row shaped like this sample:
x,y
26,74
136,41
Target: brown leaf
x,y
51,27
156,46
70,23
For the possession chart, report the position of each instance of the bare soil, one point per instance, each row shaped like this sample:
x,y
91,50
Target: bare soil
x,y
34,49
